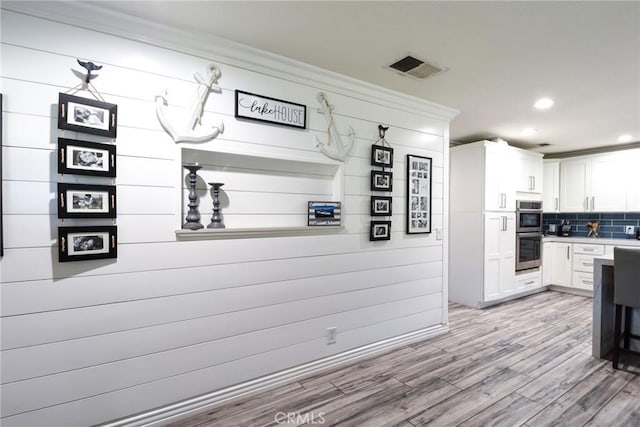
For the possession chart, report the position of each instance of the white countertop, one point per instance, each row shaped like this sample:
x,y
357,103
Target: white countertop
x,y
593,240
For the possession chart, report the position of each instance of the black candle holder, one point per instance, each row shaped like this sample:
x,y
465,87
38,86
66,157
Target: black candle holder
x,y
193,216
216,219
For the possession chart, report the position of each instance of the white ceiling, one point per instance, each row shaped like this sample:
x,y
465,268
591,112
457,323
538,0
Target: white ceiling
x,y
501,57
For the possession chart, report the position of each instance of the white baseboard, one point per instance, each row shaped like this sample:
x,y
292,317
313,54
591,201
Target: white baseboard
x,y
208,401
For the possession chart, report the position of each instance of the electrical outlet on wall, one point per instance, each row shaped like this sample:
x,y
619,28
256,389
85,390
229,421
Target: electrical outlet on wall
x,y
630,229
332,335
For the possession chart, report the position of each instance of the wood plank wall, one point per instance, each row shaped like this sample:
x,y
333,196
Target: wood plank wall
x,y
88,342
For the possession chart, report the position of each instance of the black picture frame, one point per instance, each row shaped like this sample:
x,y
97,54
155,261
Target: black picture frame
x,y
86,201
381,206
87,243
419,182
87,115
380,230
381,181
77,157
260,108
324,214
381,156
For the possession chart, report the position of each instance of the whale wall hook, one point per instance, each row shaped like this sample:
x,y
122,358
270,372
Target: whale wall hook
x,y
189,131
335,148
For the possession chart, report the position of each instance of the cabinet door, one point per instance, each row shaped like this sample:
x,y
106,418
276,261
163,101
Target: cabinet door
x,y
573,185
608,183
499,187
499,253
633,180
528,172
562,264
547,262
551,189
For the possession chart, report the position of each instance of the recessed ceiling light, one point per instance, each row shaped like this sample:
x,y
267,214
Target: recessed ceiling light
x,y
529,131
543,103
625,138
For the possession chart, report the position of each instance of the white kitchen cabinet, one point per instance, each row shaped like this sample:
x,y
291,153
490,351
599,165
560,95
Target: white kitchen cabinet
x,y
499,183
528,281
608,183
482,238
551,186
594,183
499,255
561,264
632,173
575,185
527,171
547,261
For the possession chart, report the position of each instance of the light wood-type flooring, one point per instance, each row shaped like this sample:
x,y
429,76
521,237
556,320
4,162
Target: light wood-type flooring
x,y
523,363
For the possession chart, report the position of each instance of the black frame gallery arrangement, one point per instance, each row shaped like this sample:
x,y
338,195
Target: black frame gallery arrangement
x,y
419,182
381,181
87,200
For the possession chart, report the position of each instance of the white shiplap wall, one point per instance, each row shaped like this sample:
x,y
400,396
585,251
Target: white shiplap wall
x,y
93,341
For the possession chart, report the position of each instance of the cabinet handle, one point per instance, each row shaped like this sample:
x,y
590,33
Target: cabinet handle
x,y
568,248
588,249
504,223
586,203
533,178
588,282
530,282
503,200
557,204
587,264
593,203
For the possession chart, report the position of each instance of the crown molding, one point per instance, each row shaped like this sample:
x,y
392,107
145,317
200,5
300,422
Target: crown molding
x,y
94,16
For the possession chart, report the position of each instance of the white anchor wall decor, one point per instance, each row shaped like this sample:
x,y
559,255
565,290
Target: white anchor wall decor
x,y
187,133
334,147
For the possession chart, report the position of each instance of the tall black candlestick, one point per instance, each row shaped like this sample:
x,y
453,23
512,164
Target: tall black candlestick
x,y
193,216
216,219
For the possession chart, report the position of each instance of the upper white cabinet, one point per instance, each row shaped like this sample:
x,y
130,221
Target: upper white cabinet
x,y
528,171
594,183
632,173
551,186
499,183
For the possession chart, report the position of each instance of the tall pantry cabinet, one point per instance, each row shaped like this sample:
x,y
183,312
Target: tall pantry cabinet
x,y
485,178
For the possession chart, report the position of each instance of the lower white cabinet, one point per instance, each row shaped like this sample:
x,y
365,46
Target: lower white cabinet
x,y
528,281
500,255
557,264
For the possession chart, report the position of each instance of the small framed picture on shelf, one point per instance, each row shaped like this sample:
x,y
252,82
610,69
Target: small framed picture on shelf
x,y
87,243
418,194
324,213
380,206
381,181
381,156
86,201
380,230
86,158
87,115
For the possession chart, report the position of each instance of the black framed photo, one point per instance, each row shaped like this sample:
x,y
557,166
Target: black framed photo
x,y
266,109
418,194
86,158
381,181
381,156
380,230
380,206
86,201
87,243
324,213
87,115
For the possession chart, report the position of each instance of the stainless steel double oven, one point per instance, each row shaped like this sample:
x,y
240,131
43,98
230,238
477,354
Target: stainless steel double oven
x,y
528,234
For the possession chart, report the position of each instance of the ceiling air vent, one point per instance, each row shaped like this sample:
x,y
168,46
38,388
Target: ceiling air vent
x,y
417,68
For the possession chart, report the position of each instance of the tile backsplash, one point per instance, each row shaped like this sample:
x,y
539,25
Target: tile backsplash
x,y
612,224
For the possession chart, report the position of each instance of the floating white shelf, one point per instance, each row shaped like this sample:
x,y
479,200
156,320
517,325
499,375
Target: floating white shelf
x,y
243,233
